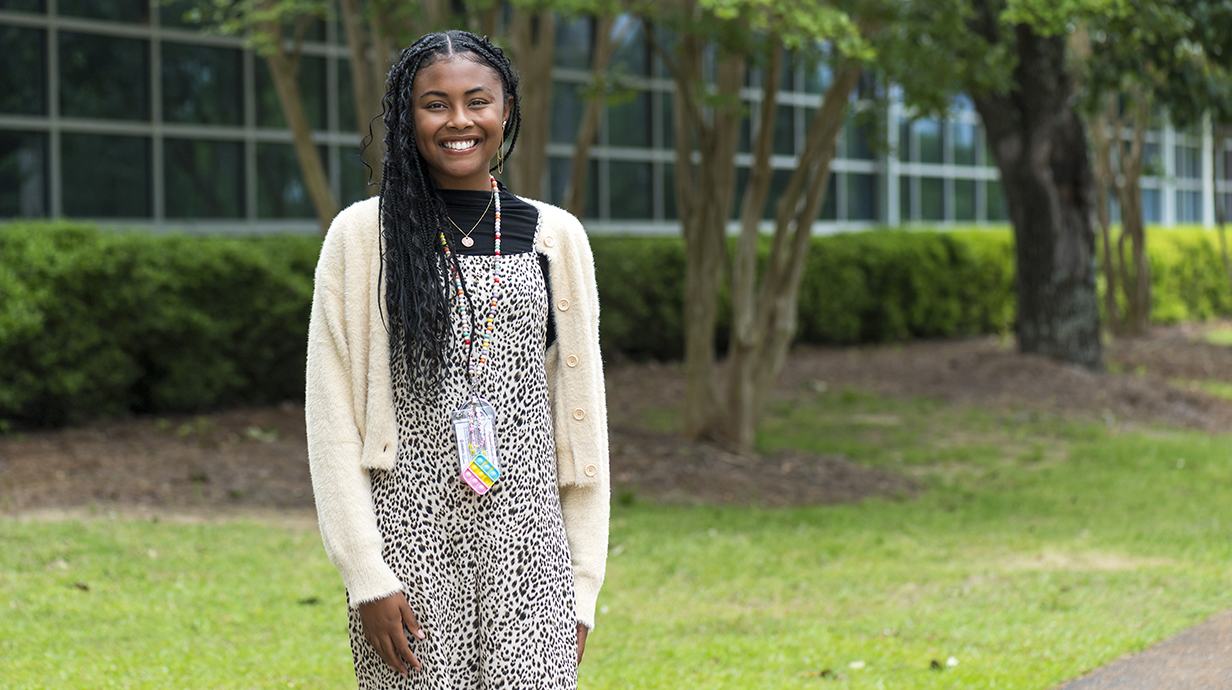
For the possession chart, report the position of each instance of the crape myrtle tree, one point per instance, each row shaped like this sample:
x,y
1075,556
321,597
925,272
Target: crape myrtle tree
x,y
1136,65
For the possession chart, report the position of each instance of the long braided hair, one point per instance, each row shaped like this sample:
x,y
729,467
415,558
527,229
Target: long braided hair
x,y
413,213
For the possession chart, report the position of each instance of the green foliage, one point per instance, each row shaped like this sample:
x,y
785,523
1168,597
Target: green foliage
x,y
96,323
1187,276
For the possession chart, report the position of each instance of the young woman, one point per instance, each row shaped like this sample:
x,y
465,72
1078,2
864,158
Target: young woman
x,y
455,402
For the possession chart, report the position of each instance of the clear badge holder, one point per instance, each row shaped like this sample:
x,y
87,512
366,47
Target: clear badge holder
x,y
474,426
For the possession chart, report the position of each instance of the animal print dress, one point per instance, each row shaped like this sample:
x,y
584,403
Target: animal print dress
x,y
488,577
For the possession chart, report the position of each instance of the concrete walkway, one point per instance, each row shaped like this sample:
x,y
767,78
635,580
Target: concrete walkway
x,y
1199,658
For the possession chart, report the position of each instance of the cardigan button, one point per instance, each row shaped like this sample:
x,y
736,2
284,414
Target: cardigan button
x,y
563,304
579,414
591,470
571,360
548,241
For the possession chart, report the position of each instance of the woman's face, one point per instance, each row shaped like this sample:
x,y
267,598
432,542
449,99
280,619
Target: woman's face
x,y
459,110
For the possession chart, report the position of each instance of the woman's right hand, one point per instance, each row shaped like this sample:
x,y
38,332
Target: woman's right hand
x,y
383,621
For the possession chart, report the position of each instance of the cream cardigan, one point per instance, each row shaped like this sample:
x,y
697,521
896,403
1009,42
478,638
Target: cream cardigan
x,y
350,411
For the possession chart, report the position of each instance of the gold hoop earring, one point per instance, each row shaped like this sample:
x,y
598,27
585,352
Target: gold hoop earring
x,y
500,155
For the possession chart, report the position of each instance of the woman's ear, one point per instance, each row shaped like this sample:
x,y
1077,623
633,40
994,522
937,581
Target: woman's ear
x,y
508,109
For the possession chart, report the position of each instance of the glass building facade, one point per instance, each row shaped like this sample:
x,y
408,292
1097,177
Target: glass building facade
x,y
115,110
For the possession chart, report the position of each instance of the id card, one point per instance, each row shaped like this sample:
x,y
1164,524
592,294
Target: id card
x,y
474,427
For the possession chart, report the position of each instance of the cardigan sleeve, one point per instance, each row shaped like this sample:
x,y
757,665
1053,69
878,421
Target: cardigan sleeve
x,y
340,485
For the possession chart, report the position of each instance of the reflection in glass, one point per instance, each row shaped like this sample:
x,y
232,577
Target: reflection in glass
x,y
994,202
928,134
23,6
932,198
628,123
133,11
1188,206
559,172
1188,162
906,199
311,87
205,179
904,140
964,200
785,131
354,176
631,193
861,196
281,192
1151,211
859,140
567,109
202,84
817,77
573,43
963,135
23,174
104,77
632,54
172,12
346,99
22,73
95,186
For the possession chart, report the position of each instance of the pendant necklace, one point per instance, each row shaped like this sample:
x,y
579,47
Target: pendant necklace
x,y
466,236
474,424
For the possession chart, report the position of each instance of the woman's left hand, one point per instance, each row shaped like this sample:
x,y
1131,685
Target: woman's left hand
x,y
582,630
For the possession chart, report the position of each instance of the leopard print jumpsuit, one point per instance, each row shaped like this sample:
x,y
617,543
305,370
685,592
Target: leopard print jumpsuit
x,y
488,577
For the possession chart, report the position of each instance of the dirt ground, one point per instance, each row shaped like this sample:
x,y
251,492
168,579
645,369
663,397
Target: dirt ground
x,y
256,459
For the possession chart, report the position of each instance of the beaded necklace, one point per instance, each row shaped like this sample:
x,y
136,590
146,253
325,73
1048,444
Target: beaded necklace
x,y
474,423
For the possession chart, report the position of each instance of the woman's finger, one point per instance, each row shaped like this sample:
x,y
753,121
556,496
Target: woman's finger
x,y
386,650
410,621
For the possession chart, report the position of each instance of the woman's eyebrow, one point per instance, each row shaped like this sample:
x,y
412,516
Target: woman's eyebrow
x,y
442,94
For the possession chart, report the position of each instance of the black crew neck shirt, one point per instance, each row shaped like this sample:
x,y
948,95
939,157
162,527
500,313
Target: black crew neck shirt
x,y
466,207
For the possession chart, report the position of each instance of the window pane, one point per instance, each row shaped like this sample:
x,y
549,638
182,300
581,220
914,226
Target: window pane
x,y
994,202
859,140
354,176
116,10
785,131
559,172
829,210
22,73
23,174
573,43
628,124
1151,211
817,78
929,134
172,14
964,143
567,109
1188,162
280,185
787,81
905,196
104,77
669,191
964,200
23,6
1152,164
202,84
904,140
346,99
744,131
1188,206
632,55
106,176
932,198
631,192
205,179
311,87
669,122
861,196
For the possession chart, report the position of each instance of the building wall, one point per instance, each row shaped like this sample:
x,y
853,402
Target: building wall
x,y
116,111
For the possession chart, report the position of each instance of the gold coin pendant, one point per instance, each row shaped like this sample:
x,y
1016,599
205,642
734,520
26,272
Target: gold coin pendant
x,y
468,242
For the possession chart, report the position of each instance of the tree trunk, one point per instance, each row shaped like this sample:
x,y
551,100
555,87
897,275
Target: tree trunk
x,y
532,47
588,128
703,200
1103,132
1041,152
1137,281
284,69
1219,135
764,324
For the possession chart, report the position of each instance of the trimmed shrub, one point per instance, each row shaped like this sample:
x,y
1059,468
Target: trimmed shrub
x,y
95,323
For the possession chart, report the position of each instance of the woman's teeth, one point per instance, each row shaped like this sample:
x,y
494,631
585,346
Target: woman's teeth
x,y
460,145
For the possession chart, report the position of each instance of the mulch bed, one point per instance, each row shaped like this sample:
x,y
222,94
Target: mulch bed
x,y
256,459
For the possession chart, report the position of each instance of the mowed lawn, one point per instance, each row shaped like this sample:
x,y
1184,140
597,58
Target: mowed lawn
x,y
1040,548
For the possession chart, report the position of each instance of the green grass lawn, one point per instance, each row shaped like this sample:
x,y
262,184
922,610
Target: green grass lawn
x,y
1040,548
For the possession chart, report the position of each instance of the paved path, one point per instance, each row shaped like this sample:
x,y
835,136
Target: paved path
x,y
1199,658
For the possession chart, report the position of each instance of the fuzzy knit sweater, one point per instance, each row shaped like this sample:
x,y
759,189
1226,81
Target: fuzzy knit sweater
x,y
350,411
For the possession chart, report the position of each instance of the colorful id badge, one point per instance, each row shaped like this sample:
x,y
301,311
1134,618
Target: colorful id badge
x,y
474,425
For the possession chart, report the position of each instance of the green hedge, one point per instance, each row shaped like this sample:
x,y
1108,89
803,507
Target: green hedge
x,y
95,323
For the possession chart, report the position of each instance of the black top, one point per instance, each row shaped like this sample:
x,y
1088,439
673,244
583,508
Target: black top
x,y
518,222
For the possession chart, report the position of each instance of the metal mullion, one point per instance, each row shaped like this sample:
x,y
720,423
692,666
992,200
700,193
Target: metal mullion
x,y
55,167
